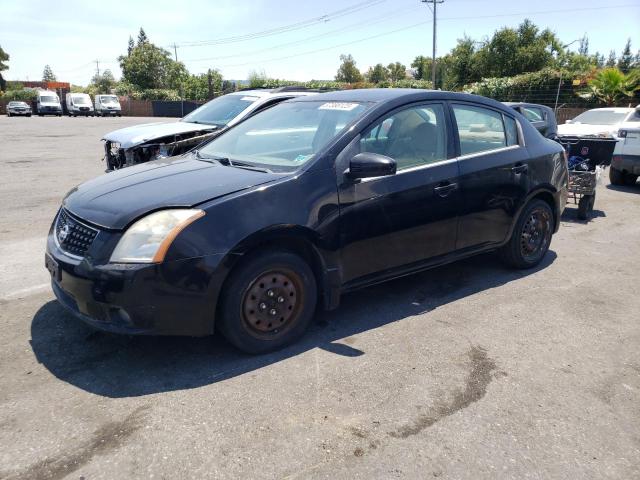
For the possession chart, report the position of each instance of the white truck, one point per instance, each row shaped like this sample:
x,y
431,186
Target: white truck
x,y
79,104
625,164
48,103
107,105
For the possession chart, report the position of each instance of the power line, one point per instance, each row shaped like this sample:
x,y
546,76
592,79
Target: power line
x,y
285,28
391,32
373,21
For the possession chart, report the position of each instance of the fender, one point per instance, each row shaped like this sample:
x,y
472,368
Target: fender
x,y
543,188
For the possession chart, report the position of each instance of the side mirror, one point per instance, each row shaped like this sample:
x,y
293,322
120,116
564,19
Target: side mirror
x,y
568,121
366,165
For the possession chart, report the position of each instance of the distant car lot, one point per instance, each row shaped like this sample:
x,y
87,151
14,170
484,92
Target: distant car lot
x,y
468,371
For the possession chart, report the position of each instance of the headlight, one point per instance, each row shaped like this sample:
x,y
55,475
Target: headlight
x,y
148,240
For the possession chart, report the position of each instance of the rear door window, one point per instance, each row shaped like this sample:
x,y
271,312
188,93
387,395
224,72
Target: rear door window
x,y
479,129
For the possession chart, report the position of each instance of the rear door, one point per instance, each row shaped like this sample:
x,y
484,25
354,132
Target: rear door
x,y
494,173
398,220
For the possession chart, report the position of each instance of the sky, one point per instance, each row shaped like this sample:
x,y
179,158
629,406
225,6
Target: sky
x,y
296,40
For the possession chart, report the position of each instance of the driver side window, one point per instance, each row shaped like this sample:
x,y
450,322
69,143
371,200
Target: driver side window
x,y
412,137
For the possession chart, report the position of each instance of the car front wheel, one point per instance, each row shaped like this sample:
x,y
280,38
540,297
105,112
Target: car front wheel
x,y
268,302
531,236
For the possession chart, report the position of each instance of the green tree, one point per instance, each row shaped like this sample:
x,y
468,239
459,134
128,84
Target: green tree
x,y
421,67
4,57
48,75
611,60
103,82
611,85
130,45
377,74
513,51
196,87
397,71
462,68
142,37
151,67
348,72
257,79
625,62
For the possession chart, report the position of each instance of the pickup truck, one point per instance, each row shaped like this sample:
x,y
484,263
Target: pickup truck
x,y
625,164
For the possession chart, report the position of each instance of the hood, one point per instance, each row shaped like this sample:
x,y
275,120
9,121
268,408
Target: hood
x,y
584,129
115,199
138,134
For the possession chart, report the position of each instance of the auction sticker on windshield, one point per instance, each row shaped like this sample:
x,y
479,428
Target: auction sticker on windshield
x,y
344,106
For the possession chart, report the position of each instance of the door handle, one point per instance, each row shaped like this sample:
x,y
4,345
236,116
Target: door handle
x,y
521,168
444,190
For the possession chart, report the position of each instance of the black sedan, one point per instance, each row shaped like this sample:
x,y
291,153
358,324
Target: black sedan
x,y
309,199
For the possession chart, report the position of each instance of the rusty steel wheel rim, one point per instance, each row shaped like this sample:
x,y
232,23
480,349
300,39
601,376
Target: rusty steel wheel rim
x,y
536,233
272,302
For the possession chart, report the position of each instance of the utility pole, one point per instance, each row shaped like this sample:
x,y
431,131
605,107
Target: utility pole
x,y
433,59
175,51
98,68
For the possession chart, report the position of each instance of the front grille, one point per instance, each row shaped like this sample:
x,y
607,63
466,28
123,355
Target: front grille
x,y
84,109
73,236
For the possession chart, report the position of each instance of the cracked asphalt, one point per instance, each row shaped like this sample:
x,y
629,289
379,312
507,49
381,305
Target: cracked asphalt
x,y
469,371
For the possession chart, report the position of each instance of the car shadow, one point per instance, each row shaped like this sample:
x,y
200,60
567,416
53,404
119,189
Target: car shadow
x,y
635,188
570,215
127,366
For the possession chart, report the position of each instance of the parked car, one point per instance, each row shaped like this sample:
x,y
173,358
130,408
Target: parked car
x,y
18,108
625,164
599,121
540,116
150,141
79,104
300,203
106,105
48,103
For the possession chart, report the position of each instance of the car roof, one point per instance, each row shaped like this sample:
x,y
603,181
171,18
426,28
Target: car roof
x,y
384,95
612,109
273,92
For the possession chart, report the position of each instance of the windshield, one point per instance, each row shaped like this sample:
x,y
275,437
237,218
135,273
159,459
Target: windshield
x,y
49,99
80,100
111,99
600,117
285,136
17,104
221,110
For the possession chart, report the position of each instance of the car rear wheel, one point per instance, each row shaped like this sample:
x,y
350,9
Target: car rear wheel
x,y
616,177
630,179
268,302
531,236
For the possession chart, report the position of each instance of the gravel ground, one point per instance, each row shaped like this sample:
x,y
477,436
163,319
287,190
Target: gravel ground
x,y
467,371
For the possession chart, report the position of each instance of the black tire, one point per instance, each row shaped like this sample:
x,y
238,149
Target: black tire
x,y
630,179
616,177
531,236
28,114
10,114
258,319
585,206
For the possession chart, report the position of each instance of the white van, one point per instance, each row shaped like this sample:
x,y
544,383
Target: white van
x,y
48,103
79,104
107,105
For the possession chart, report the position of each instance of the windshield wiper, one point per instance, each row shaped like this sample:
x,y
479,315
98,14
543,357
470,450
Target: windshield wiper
x,y
228,163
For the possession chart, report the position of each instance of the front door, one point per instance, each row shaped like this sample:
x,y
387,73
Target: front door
x,y
398,220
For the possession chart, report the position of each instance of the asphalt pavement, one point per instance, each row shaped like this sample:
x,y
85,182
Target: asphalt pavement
x,y
469,371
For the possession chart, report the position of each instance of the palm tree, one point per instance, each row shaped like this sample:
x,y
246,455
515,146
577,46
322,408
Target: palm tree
x,y
611,85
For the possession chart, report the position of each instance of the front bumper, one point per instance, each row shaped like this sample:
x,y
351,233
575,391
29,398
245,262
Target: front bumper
x,y
19,112
626,163
173,298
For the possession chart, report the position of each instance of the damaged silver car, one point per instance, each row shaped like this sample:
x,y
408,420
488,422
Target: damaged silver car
x,y
153,141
